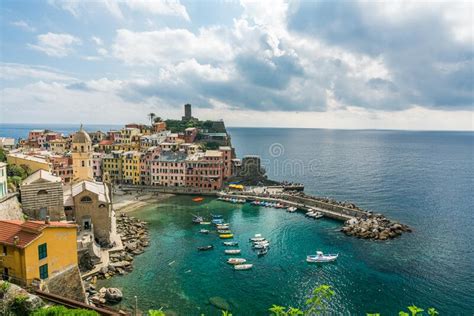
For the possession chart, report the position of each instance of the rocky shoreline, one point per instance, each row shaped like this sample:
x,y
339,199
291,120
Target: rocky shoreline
x,y
374,226
134,234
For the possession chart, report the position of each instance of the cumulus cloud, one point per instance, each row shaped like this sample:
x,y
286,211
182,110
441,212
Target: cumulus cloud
x,y
13,71
160,7
411,41
56,45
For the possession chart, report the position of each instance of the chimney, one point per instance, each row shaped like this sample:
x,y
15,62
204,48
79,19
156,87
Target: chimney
x,y
46,221
16,240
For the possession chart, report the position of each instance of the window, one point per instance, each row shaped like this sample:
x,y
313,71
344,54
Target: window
x,y
86,199
5,252
42,192
42,251
43,270
82,162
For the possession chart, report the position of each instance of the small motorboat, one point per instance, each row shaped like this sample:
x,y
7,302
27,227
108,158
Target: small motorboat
x,y
226,236
197,219
230,243
216,216
224,231
309,213
204,248
217,221
320,257
262,252
261,246
291,209
198,199
232,251
257,237
235,261
205,223
222,226
246,266
204,231
318,215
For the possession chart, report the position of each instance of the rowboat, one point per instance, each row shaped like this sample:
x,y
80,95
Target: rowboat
x,y
230,243
291,209
320,257
217,221
204,231
232,251
198,199
243,266
205,223
257,237
215,216
224,231
235,261
197,219
226,236
222,226
204,248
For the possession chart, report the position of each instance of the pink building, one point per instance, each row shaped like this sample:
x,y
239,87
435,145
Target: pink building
x,y
61,166
146,160
97,165
168,169
205,170
227,157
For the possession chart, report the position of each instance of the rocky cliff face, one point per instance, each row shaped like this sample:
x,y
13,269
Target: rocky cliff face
x,y
10,208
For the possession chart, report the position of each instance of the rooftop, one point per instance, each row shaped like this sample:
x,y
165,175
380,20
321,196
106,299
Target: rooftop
x,y
25,231
40,175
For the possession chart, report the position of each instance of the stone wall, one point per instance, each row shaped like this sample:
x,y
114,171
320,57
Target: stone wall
x,y
10,208
38,195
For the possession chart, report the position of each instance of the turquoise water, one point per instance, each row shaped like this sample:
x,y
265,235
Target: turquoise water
x,y
424,179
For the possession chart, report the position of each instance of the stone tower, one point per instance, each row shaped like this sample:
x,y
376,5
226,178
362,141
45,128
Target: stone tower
x,y
82,156
187,113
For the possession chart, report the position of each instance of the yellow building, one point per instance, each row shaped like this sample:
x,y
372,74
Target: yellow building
x,y
112,164
59,146
32,162
131,167
36,250
82,156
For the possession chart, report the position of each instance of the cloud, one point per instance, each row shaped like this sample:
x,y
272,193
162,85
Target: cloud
x,y
97,40
77,7
411,41
13,71
55,45
160,7
24,26
168,45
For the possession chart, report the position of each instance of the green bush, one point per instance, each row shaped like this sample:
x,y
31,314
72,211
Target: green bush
x,y
63,311
4,286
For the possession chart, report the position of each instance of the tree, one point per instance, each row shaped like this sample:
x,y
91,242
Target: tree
x,y
3,157
151,116
16,171
157,119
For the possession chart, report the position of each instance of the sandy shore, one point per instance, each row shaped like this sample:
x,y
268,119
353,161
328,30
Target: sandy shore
x,y
125,202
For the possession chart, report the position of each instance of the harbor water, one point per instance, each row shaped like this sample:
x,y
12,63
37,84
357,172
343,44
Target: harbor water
x,y
423,179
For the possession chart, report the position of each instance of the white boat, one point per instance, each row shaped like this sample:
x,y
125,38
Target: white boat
x,y
230,243
222,226
235,261
310,213
257,237
261,246
247,266
232,251
204,231
291,209
318,215
320,257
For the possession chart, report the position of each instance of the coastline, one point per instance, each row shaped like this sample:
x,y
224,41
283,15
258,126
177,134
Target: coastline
x,y
126,202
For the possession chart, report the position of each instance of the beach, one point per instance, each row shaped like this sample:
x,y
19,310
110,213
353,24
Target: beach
x,y
125,202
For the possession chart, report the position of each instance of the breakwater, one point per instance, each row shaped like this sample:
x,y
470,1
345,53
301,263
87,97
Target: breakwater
x,y
357,222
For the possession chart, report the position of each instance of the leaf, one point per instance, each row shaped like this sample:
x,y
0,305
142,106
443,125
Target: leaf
x,y
432,311
403,314
415,310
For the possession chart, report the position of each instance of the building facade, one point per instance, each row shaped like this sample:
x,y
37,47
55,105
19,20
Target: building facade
x,y
82,156
34,251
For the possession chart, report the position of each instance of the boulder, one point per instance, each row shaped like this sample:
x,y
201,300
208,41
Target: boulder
x,y
113,295
219,303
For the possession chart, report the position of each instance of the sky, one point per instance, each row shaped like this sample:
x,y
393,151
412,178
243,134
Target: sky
x,y
313,64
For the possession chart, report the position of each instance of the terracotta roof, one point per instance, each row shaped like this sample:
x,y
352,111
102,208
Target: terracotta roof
x,y
26,231
106,142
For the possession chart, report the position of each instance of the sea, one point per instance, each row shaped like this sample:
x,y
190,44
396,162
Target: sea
x,y
423,179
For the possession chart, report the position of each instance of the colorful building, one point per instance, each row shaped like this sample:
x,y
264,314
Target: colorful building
x,y
36,250
112,164
205,170
131,167
169,169
97,159
32,162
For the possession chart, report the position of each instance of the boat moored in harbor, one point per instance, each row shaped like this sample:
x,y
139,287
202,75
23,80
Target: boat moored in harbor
x,y
246,266
226,236
204,231
204,248
230,243
232,251
320,257
235,261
